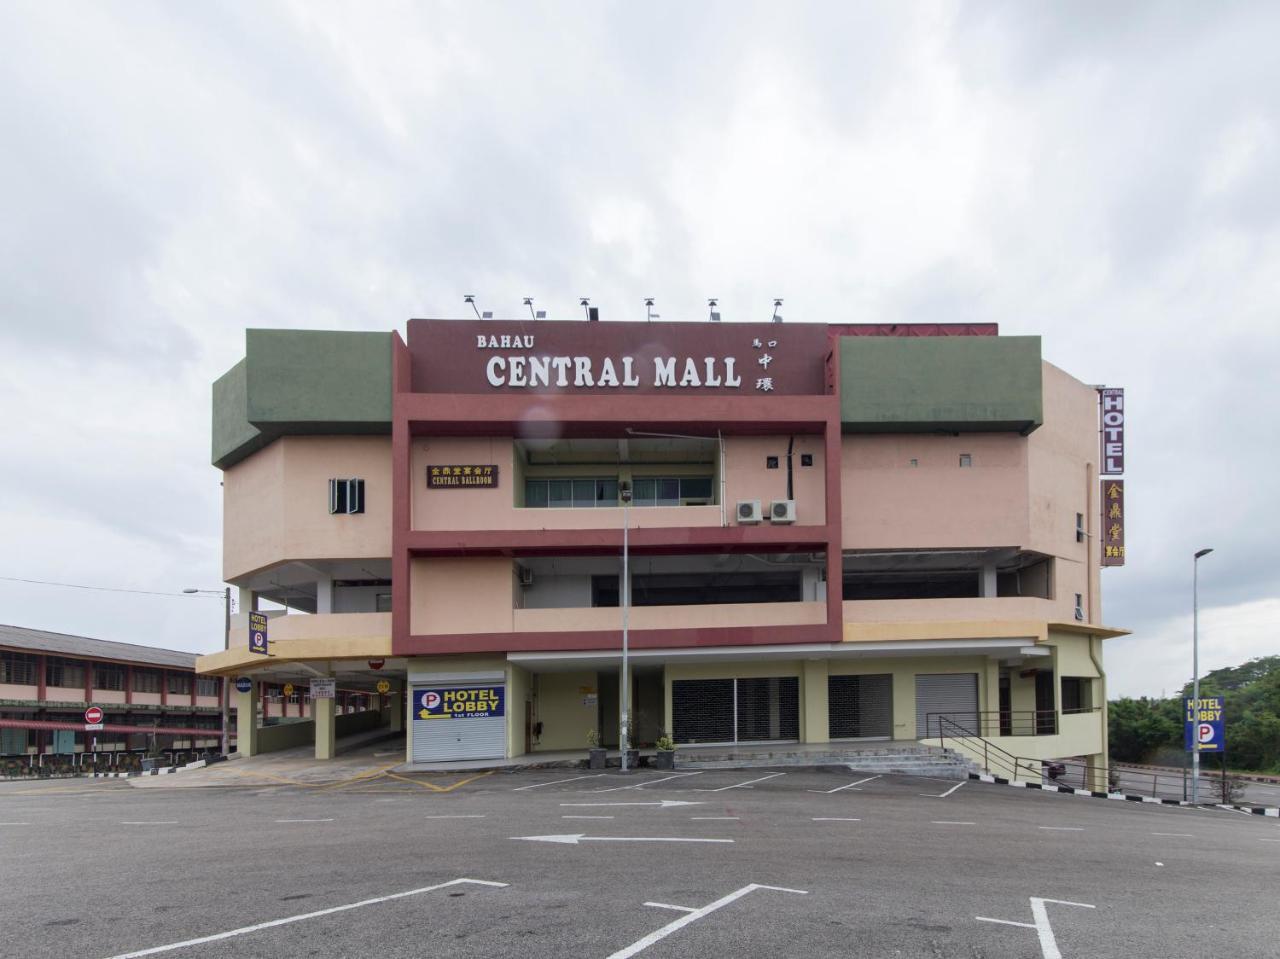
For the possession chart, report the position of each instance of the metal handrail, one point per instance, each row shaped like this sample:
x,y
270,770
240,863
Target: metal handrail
x,y
1010,764
1005,722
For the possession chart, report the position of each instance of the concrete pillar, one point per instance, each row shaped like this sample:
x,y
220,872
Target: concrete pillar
x,y
987,585
324,594
247,721
395,703
246,600
324,718
1098,770
990,702
815,715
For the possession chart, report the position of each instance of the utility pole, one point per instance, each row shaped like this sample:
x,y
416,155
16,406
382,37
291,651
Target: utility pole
x,y
1195,673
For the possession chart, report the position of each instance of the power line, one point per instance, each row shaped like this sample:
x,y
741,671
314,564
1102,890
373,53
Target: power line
x,y
103,589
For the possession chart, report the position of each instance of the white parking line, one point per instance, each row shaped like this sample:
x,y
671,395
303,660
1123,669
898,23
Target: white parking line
x,y
647,782
713,818
154,950
556,782
1048,944
834,819
945,794
1062,828
460,816
15,824
158,822
951,822
586,817
691,915
852,785
1177,835
304,820
746,785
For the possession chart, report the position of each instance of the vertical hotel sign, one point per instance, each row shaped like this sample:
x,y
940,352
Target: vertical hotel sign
x,y
1112,400
258,633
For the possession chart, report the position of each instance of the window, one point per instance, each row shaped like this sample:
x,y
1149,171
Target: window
x,y
207,686
771,462
1080,534
346,496
572,492
966,459
61,672
671,490
806,459
914,462
108,677
179,684
1076,694
382,603
18,669
1080,607
146,680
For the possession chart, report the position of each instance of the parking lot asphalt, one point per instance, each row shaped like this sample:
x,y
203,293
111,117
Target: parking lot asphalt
x,y
564,863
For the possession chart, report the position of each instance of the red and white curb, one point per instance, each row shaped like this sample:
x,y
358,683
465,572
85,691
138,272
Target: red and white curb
x,y
1126,797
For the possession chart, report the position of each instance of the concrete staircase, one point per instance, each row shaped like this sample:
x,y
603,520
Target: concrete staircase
x,y
903,758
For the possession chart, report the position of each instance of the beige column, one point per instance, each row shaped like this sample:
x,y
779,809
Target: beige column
x,y
322,714
816,716
246,720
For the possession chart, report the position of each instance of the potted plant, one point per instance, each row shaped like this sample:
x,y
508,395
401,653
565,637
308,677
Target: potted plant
x,y
665,758
595,754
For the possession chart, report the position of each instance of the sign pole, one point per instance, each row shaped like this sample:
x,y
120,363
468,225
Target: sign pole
x,y
624,720
1195,671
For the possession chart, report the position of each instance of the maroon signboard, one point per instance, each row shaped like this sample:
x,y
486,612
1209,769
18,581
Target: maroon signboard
x,y
1112,431
1113,522
686,359
483,476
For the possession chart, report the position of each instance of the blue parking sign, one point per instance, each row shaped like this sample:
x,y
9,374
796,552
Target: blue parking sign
x,y
1205,726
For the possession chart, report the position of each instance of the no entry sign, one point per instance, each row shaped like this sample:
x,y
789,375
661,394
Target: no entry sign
x,y
93,715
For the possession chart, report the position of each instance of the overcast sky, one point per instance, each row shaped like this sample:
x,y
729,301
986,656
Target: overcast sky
x,y
1104,175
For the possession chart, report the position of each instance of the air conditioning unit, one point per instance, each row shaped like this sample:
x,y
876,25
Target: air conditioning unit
x,y
526,575
782,511
749,511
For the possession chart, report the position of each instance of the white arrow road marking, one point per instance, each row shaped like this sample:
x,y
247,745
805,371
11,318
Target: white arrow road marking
x,y
154,950
692,915
647,782
1048,944
664,803
746,785
574,839
852,785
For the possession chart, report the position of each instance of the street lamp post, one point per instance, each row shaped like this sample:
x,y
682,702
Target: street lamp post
x,y
624,719
1195,672
226,644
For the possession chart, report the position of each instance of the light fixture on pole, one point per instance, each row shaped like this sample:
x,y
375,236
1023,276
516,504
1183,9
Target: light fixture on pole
x,y
1195,673
528,301
715,314
585,303
777,305
624,718
650,316
226,644
471,299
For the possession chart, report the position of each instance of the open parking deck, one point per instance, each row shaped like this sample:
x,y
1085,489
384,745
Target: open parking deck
x,y
564,863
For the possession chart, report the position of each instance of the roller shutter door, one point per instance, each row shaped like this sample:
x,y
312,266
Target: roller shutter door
x,y
459,735
955,694
860,707
735,710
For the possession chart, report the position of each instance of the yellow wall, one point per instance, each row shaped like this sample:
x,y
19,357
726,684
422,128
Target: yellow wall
x,y
559,706
518,693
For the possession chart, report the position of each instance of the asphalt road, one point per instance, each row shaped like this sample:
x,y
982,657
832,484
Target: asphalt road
x,y
805,864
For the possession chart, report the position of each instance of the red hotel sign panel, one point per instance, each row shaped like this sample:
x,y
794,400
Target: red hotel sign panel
x,y
1113,522
1112,431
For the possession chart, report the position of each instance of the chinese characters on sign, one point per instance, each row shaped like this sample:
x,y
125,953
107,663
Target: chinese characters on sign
x,y
764,383
454,477
1113,522
1112,431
